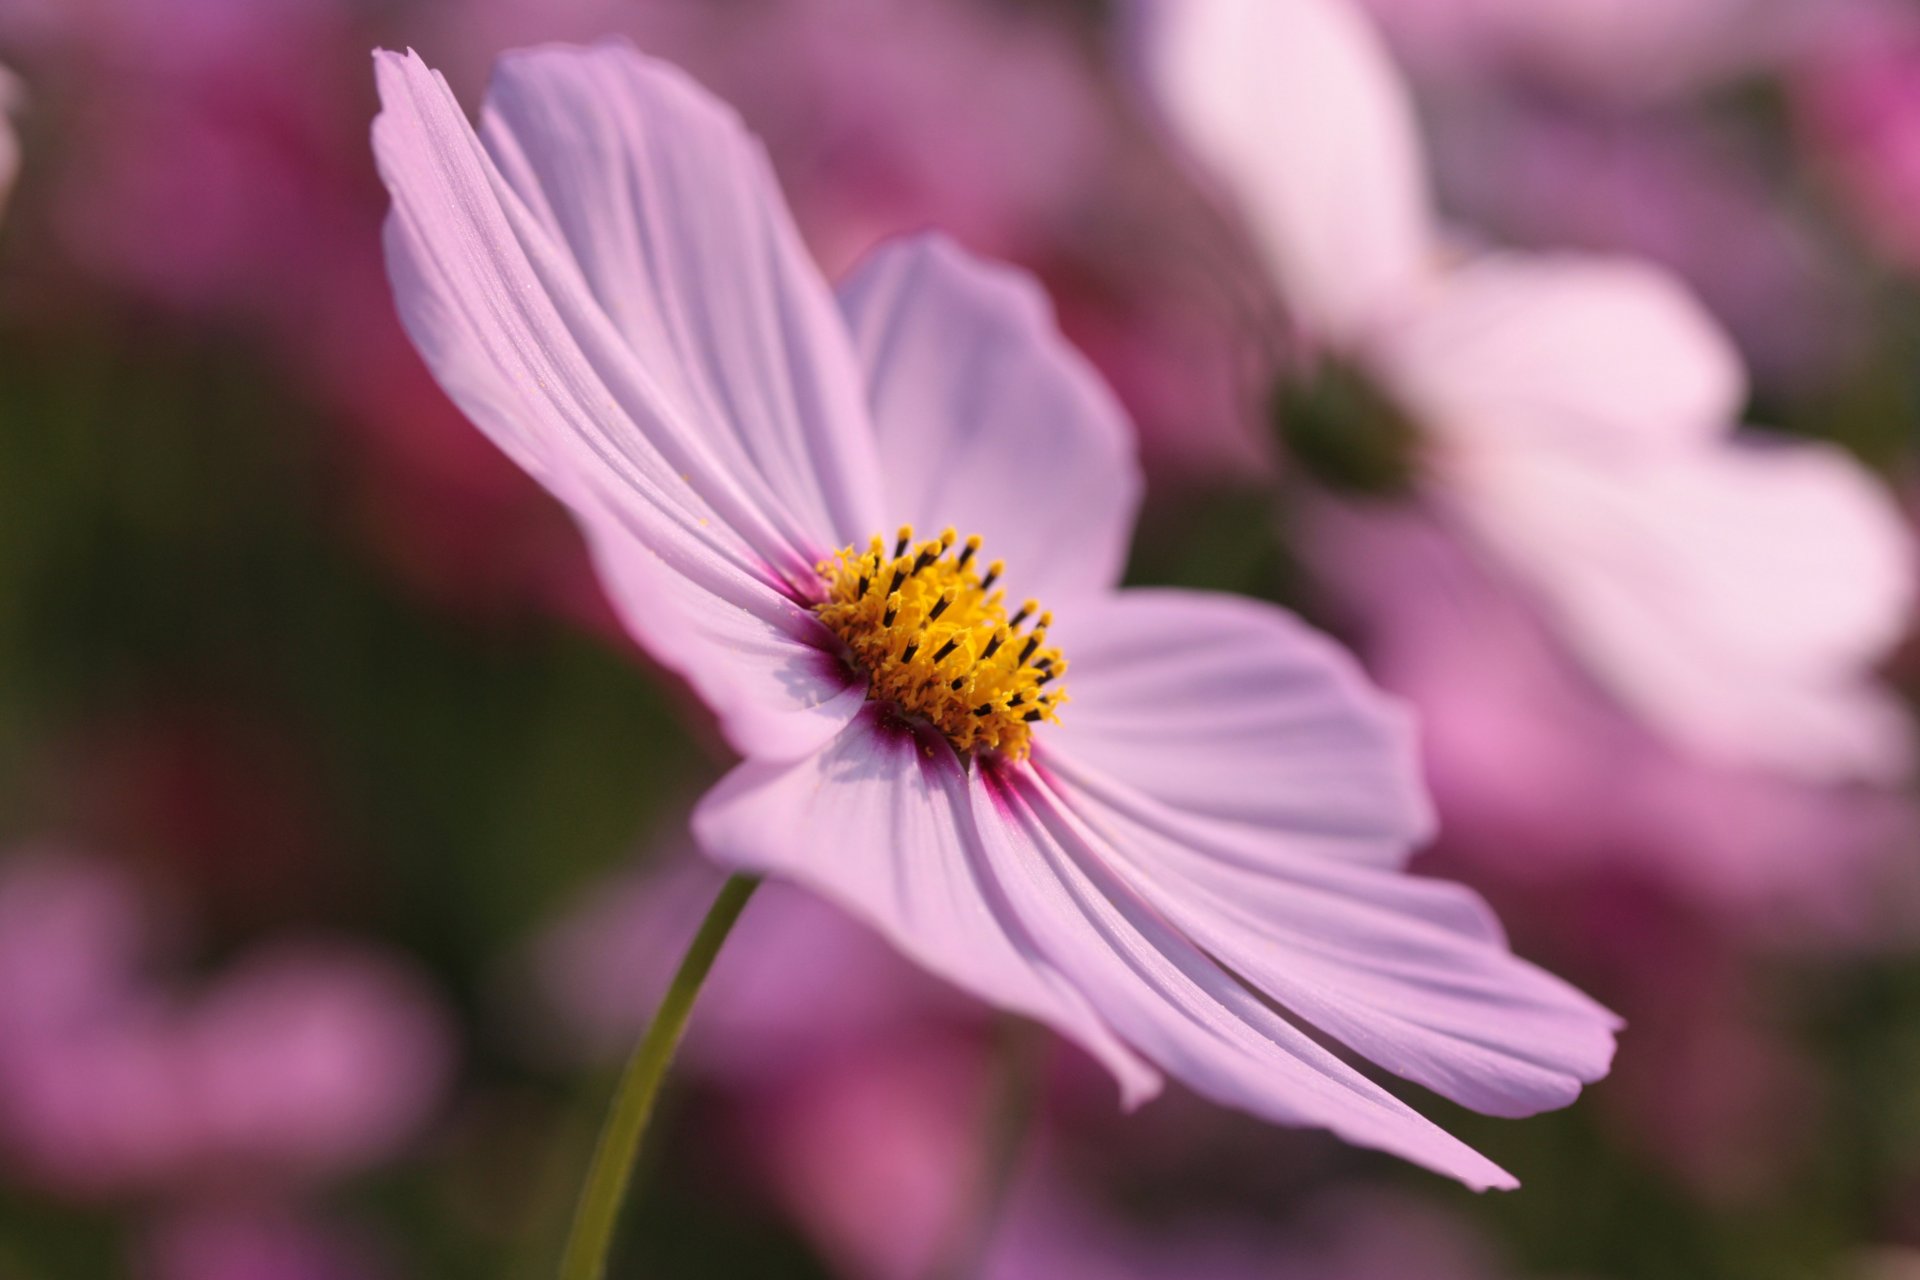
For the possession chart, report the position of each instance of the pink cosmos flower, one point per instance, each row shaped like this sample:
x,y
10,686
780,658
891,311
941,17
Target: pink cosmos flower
x,y
1571,411
1213,831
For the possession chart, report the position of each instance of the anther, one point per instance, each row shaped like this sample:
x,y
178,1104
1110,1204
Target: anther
x,y
934,649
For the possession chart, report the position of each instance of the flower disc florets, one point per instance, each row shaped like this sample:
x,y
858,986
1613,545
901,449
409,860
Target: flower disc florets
x,y
934,637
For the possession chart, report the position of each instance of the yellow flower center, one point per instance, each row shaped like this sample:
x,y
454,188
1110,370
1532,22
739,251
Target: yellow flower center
x,y
933,636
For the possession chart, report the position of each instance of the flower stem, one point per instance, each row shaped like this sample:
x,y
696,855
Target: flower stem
x,y
1006,1116
613,1158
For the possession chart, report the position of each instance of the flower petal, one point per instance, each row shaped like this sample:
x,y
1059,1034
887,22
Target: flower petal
x,y
763,663
673,214
512,332
1736,597
1171,1000
1295,108
988,421
882,822
1413,973
1237,713
1597,355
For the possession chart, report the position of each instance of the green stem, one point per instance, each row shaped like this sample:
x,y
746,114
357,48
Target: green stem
x,y
1006,1116
613,1158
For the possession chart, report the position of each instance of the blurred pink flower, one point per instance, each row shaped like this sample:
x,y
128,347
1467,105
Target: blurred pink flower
x,y
1574,410
1856,100
198,166
1542,778
805,981
304,1062
1626,50
1703,200
874,1161
610,286
250,1243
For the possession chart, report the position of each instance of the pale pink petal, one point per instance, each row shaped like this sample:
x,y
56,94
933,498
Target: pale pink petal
x,y
1413,974
763,663
883,823
1171,1000
1736,597
988,421
1597,355
515,335
1235,712
1295,109
680,231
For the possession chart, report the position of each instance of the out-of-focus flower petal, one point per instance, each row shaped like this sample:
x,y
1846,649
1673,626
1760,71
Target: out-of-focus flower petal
x,y
1599,356
1541,776
883,823
503,314
604,966
1170,999
1236,713
255,1243
317,1058
1294,108
1735,596
989,421
1413,973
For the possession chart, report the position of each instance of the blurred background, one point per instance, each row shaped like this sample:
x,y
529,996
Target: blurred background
x,y
342,844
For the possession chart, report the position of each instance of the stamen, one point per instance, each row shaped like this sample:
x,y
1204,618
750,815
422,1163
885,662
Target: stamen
x,y
938,643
